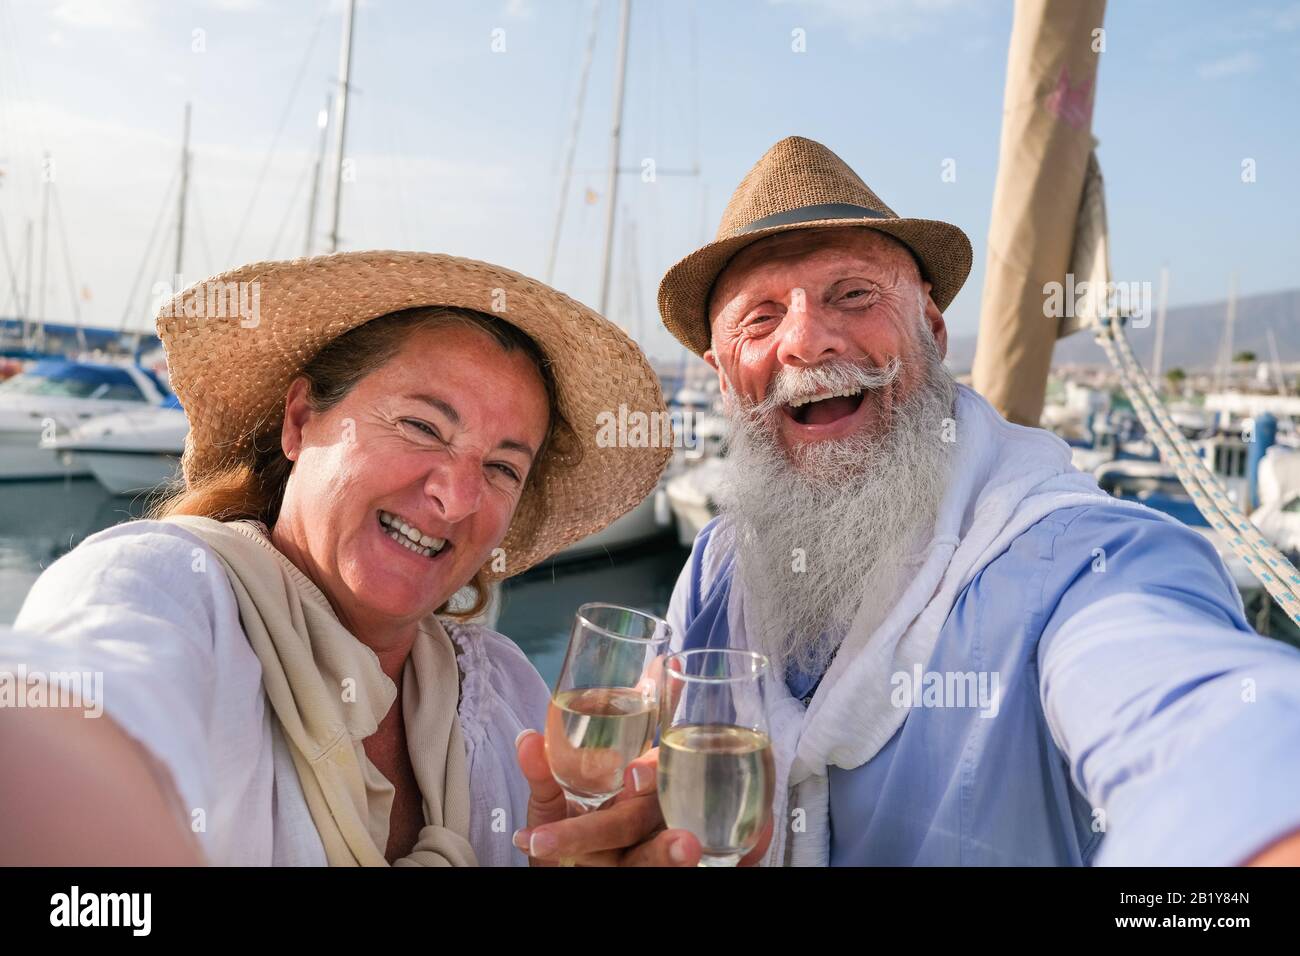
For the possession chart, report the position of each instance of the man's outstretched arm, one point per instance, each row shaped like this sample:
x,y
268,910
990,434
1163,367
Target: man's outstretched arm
x,y
1179,723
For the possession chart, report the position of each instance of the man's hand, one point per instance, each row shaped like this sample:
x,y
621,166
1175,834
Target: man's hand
x,y
1285,852
627,831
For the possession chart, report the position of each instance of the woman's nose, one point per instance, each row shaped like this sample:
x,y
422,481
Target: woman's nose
x,y
457,489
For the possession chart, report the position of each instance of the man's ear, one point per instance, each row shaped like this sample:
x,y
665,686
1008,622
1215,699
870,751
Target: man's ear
x,y
712,359
934,318
297,411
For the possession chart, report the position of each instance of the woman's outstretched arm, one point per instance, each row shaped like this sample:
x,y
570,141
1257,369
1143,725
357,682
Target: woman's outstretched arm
x,y
80,792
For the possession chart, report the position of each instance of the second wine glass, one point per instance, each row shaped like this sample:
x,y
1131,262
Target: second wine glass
x,y
716,774
604,710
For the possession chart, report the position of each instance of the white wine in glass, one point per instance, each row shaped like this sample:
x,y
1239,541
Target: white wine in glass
x,y
593,734
716,774
604,710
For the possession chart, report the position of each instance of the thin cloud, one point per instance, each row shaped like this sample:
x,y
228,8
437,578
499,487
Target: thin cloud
x,y
101,14
112,192
896,19
235,6
520,9
1233,65
1287,19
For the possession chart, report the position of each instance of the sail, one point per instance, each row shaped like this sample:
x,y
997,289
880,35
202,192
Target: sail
x,y
1042,166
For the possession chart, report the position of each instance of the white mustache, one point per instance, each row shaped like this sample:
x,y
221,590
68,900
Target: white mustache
x,y
795,383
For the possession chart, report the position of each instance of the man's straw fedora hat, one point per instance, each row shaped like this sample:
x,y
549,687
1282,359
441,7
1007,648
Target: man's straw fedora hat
x,y
231,373
800,184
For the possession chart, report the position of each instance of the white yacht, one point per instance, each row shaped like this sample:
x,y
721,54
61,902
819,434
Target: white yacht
x,y
54,396
646,521
131,452
693,495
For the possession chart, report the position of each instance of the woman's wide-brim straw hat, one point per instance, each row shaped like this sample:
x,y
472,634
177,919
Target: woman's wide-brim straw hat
x,y
231,372
800,184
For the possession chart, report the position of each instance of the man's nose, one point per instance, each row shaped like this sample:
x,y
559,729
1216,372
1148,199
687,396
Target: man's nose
x,y
808,335
456,488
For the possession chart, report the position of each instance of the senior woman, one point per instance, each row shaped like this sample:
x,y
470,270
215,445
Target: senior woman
x,y
290,675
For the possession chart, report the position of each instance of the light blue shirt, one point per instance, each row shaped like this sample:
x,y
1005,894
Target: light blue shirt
x,y
1140,720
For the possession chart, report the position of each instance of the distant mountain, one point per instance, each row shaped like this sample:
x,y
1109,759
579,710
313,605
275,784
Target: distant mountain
x,y
1193,334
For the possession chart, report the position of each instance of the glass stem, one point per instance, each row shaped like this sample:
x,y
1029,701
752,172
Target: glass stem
x,y
576,809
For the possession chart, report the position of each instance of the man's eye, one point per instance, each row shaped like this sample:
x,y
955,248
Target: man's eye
x,y
856,293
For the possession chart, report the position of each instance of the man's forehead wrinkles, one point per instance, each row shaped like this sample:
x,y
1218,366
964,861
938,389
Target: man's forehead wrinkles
x,y
876,255
835,267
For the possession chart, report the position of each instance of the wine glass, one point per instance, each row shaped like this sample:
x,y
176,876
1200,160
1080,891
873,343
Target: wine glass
x,y
716,774
604,710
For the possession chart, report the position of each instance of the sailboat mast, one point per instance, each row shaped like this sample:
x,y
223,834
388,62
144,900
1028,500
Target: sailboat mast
x,y
572,145
632,319
13,277
615,141
341,114
1157,357
185,186
322,122
45,244
1230,320
1278,374
27,280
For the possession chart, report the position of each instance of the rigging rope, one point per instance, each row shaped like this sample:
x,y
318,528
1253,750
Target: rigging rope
x,y
148,248
1279,577
1090,259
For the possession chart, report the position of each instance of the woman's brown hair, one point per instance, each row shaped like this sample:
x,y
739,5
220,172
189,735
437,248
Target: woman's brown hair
x,y
253,487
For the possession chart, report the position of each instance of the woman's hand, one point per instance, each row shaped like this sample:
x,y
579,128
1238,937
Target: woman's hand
x,y
627,831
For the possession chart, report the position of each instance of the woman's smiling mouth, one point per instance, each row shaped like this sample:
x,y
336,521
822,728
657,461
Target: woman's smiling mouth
x,y
409,536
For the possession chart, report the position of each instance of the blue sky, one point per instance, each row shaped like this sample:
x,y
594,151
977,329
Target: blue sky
x,y
458,148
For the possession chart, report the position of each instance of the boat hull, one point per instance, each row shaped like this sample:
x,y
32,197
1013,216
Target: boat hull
x,y
128,473
693,496
22,457
638,525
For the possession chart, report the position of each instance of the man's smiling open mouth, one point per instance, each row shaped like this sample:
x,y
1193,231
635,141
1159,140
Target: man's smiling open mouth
x,y
825,408
410,537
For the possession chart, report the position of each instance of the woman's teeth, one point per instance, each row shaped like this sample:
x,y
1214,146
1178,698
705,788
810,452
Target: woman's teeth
x,y
409,536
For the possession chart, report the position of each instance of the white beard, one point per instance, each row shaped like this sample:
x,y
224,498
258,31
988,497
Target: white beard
x,y
851,515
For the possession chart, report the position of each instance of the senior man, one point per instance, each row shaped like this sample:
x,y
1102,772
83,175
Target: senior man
x,y
979,658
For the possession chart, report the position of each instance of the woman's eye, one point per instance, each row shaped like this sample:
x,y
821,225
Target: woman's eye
x,y
422,426
506,470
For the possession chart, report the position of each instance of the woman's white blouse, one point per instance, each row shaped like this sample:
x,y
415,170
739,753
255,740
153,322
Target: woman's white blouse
x,y
149,605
